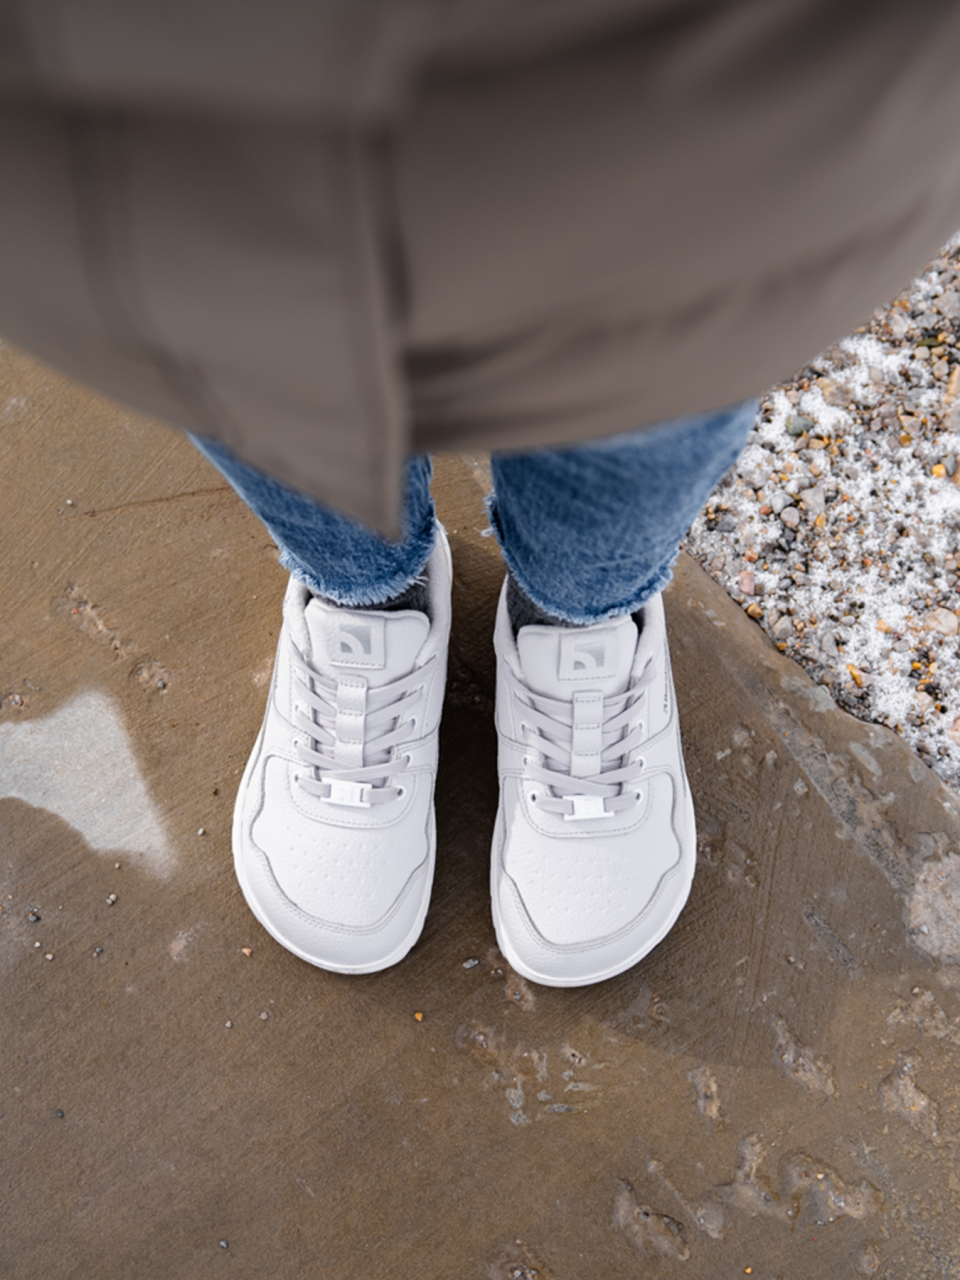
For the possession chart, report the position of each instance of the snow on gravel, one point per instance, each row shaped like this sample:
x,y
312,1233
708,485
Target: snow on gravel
x,y
838,530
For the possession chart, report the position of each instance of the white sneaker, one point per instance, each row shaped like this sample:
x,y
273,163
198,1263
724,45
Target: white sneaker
x,y
334,835
595,846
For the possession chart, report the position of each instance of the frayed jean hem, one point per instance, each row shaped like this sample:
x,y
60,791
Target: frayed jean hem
x,y
347,594
334,556
584,617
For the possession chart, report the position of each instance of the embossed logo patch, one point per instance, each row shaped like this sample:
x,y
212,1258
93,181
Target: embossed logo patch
x,y
355,638
358,643
583,659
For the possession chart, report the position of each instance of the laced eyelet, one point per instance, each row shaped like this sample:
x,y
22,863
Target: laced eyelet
x,y
401,792
533,797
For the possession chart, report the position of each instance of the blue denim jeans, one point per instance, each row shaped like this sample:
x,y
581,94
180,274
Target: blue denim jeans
x,y
589,531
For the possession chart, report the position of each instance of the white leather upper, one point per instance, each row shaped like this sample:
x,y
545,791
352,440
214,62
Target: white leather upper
x,y
345,885
578,899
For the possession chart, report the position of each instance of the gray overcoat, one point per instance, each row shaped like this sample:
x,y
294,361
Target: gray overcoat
x,y
330,232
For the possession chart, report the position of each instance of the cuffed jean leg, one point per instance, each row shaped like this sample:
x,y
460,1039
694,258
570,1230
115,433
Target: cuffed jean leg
x,y
593,531
333,555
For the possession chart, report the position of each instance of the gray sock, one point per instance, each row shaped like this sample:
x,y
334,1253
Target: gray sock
x,y
416,596
524,613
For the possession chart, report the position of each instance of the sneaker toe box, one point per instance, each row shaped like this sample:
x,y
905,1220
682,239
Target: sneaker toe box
x,y
344,895
327,941
576,910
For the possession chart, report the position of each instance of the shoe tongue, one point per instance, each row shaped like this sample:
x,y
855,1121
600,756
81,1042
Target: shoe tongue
x,y
556,661
379,645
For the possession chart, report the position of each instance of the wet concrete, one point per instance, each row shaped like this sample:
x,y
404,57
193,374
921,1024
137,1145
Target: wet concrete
x,y
774,1092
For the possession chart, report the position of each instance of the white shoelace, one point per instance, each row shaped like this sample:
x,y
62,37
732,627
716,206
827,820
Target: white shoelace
x,y
565,739
354,733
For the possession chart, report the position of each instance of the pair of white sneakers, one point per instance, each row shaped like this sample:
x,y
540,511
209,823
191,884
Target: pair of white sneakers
x,y
334,833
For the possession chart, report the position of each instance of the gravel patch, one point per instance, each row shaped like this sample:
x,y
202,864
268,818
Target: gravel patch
x,y
838,530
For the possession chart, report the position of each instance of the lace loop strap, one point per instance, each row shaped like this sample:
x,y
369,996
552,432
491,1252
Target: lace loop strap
x,y
349,727
586,739
585,762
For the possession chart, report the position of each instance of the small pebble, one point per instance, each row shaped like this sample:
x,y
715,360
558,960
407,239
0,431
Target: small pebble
x,y
38,945
943,621
202,831
98,951
33,916
264,1016
111,899
228,1025
815,500
69,502
224,1244
471,963
59,1114
48,956
161,684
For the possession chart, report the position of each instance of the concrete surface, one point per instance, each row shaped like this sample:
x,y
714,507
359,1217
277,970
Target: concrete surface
x,y
774,1092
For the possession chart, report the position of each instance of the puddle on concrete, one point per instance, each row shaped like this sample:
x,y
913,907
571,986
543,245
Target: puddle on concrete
x,y
79,764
